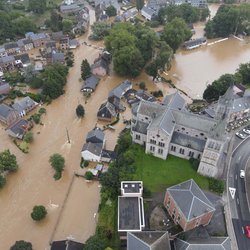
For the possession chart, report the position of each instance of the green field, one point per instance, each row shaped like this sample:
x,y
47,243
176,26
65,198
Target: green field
x,y
158,174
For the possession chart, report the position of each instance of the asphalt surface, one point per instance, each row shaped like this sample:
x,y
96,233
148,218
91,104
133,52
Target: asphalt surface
x,y
238,205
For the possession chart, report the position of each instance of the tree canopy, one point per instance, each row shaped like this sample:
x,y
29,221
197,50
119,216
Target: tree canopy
x,y
58,163
8,161
96,243
38,213
21,245
111,11
37,6
185,11
175,33
85,69
80,112
229,19
100,30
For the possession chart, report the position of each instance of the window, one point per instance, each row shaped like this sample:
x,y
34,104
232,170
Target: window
x,y
199,156
173,148
152,141
178,218
191,154
182,151
160,151
161,144
152,149
168,204
137,137
183,128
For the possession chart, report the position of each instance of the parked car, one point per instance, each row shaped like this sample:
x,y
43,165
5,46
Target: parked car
x,y
242,173
241,135
247,231
246,130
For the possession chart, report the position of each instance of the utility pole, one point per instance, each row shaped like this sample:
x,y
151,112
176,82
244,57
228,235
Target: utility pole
x,y
67,132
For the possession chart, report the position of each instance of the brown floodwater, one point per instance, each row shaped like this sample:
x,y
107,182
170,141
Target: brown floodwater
x,y
193,70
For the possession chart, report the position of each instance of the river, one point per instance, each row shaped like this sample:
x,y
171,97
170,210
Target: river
x,y
193,70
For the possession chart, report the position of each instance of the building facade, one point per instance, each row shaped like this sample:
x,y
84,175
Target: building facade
x,y
169,128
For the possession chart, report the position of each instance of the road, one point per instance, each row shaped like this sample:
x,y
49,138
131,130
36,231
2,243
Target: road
x,y
238,204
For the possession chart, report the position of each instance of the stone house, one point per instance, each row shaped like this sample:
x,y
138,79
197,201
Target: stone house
x,y
90,84
188,205
168,128
64,43
8,115
38,39
18,129
24,106
100,68
3,52
7,63
12,48
107,112
4,87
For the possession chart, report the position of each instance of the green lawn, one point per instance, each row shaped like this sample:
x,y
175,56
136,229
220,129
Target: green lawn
x,y
158,174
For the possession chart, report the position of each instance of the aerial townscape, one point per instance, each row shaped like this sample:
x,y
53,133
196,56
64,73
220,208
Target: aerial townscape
x,y
125,124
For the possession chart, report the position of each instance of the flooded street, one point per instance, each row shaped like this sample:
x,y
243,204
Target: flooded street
x,y
193,70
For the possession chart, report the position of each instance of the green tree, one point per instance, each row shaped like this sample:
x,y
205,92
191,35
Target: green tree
x,y
22,25
54,79
100,30
28,137
42,111
58,163
21,245
55,22
38,213
175,33
128,61
139,4
142,85
85,69
216,185
8,161
80,112
2,181
37,6
67,25
152,69
95,243
88,175
111,11
218,87
244,73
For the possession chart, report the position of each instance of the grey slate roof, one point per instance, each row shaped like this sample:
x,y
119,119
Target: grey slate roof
x,y
18,128
150,109
107,110
190,120
4,87
24,58
94,148
165,122
96,135
58,57
121,89
213,243
7,59
141,127
148,240
175,101
38,36
188,141
91,82
10,45
148,10
5,110
190,199
195,42
24,104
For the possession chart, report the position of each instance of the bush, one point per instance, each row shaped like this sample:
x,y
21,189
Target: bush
x,y
42,111
146,193
28,137
36,118
2,181
89,175
216,185
38,213
22,245
195,163
58,163
85,163
142,85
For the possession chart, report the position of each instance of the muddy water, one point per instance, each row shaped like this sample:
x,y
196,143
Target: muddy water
x,y
193,70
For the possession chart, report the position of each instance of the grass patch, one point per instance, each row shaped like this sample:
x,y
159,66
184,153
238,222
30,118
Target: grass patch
x,y
158,174
24,146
